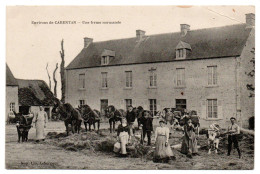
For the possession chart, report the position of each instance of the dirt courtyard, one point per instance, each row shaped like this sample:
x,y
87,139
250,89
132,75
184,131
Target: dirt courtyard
x,y
46,155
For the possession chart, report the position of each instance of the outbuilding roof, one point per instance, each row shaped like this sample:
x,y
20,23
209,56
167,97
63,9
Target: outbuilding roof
x,y
34,93
10,79
227,41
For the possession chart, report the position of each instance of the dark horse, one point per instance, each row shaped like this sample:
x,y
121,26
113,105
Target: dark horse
x,y
23,125
70,116
138,114
114,116
91,117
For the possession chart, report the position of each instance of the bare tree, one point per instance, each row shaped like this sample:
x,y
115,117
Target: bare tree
x,y
62,73
55,81
48,76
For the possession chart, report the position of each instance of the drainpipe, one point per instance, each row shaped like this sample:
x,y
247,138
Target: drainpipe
x,y
238,91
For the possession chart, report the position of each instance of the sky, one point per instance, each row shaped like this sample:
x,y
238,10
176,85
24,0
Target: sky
x,y
29,47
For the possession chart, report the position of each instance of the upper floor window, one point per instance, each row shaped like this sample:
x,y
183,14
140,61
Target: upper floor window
x,y
128,79
180,53
104,79
81,81
212,75
180,76
12,106
105,60
81,102
153,78
212,108
182,50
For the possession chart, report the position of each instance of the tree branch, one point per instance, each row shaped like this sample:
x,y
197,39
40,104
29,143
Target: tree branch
x,y
48,76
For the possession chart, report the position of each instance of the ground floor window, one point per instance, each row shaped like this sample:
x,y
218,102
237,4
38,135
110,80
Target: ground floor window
x,y
212,108
128,102
12,106
103,105
153,107
181,103
81,102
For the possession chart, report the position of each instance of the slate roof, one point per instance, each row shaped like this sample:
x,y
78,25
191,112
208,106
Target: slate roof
x,y
10,79
224,41
34,93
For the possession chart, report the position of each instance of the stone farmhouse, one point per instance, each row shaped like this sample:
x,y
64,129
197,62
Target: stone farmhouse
x,y
202,70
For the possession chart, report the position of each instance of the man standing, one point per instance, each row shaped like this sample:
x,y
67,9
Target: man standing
x,y
130,117
147,124
233,131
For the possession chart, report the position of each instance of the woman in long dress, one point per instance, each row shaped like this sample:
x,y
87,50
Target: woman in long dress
x,y
189,143
163,151
40,121
123,136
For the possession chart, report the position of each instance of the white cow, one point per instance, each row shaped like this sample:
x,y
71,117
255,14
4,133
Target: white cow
x,y
213,137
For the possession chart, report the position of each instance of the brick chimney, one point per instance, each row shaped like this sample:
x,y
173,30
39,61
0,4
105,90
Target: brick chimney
x,y
250,19
184,29
140,34
87,41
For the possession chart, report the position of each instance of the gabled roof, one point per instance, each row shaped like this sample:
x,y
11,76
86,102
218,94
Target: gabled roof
x,y
34,93
108,53
224,41
182,44
10,79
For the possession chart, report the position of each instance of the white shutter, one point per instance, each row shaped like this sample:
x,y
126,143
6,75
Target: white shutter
x,y
220,111
203,109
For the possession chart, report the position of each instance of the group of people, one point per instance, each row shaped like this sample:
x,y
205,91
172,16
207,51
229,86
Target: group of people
x,y
163,151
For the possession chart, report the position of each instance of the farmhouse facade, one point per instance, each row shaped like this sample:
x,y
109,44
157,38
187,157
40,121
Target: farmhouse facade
x,y
203,70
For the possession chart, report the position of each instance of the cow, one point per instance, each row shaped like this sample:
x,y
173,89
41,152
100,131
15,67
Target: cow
x,y
23,125
70,116
213,137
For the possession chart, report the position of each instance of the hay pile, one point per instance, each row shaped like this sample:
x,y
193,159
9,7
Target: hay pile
x,y
79,142
101,141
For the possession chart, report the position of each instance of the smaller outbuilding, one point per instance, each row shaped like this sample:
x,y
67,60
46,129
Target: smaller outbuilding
x,y
35,93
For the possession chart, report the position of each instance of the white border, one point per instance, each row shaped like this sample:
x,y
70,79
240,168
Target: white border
x,y
5,3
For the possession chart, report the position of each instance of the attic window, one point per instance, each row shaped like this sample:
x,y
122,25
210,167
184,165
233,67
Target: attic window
x,y
182,49
105,60
106,56
181,53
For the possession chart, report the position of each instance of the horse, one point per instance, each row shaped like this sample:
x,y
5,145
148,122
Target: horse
x,y
70,116
138,114
23,125
114,116
90,116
